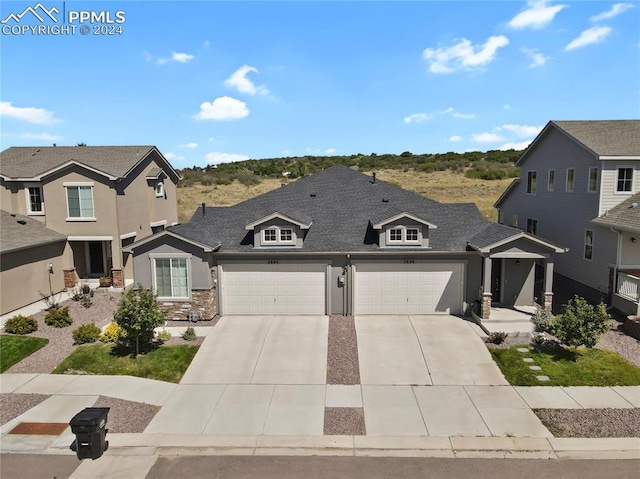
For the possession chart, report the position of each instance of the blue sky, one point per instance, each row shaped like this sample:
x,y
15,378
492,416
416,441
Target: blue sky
x,y
217,81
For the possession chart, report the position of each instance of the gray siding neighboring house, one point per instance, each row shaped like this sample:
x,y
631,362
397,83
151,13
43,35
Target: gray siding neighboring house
x,y
99,198
32,259
573,172
340,242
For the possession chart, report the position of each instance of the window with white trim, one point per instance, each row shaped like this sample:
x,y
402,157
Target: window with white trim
x,y
625,180
286,235
269,235
532,226
570,179
395,234
159,189
35,200
80,202
593,179
412,234
532,182
551,180
588,245
172,279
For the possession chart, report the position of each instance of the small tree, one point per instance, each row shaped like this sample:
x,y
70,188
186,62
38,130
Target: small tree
x,y
581,324
138,314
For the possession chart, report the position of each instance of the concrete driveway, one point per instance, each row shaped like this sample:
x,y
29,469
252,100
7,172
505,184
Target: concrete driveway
x,y
423,350
263,350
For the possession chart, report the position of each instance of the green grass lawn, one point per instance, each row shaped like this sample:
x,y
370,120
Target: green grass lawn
x,y
165,363
14,349
593,367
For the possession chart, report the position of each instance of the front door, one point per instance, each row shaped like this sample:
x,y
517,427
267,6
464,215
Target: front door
x,y
95,261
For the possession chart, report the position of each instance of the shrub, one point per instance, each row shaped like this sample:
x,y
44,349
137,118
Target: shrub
x,y
189,334
21,325
163,336
497,337
543,320
138,314
581,324
58,317
112,333
87,333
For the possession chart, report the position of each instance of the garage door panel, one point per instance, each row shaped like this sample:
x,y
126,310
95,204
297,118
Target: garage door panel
x,y
273,288
419,288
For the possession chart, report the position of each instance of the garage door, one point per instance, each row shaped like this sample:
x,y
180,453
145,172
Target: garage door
x,y
273,288
417,288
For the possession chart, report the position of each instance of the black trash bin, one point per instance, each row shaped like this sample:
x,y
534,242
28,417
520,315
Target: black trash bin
x,y
90,428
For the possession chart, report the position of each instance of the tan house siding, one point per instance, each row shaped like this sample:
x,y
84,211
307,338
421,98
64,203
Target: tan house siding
x,y
609,197
25,278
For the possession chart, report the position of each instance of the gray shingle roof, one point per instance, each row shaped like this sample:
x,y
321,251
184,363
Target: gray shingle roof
x,y
493,233
31,162
344,202
605,137
624,216
19,232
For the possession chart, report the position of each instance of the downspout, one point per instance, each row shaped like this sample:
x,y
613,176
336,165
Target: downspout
x,y
347,286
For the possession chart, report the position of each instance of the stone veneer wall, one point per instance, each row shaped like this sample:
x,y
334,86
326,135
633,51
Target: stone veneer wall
x,y
70,278
202,300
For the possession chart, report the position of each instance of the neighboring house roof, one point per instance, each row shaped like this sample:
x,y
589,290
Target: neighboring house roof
x,y
625,216
21,232
33,163
341,203
494,235
604,138
208,247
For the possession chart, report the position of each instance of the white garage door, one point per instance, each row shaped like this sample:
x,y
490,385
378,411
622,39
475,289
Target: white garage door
x,y
273,288
418,288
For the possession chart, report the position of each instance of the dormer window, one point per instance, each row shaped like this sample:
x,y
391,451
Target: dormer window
x,y
286,235
395,235
269,235
403,235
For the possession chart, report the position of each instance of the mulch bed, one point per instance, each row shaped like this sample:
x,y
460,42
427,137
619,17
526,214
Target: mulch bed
x,y
343,366
344,421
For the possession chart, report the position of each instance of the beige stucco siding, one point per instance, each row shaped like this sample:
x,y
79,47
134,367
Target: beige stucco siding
x,y
25,278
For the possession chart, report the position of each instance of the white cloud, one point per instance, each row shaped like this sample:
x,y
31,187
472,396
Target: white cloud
x,y
239,80
538,14
465,116
39,116
223,108
588,37
462,55
218,157
488,137
522,131
40,136
616,10
191,144
537,58
515,145
175,57
455,138
173,157
416,117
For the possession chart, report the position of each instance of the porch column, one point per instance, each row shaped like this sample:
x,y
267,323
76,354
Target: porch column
x,y
547,301
486,289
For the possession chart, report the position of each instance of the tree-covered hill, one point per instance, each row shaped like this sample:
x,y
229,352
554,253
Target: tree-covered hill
x,y
489,165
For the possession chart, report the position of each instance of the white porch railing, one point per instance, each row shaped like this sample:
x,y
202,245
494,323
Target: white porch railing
x,y
628,286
